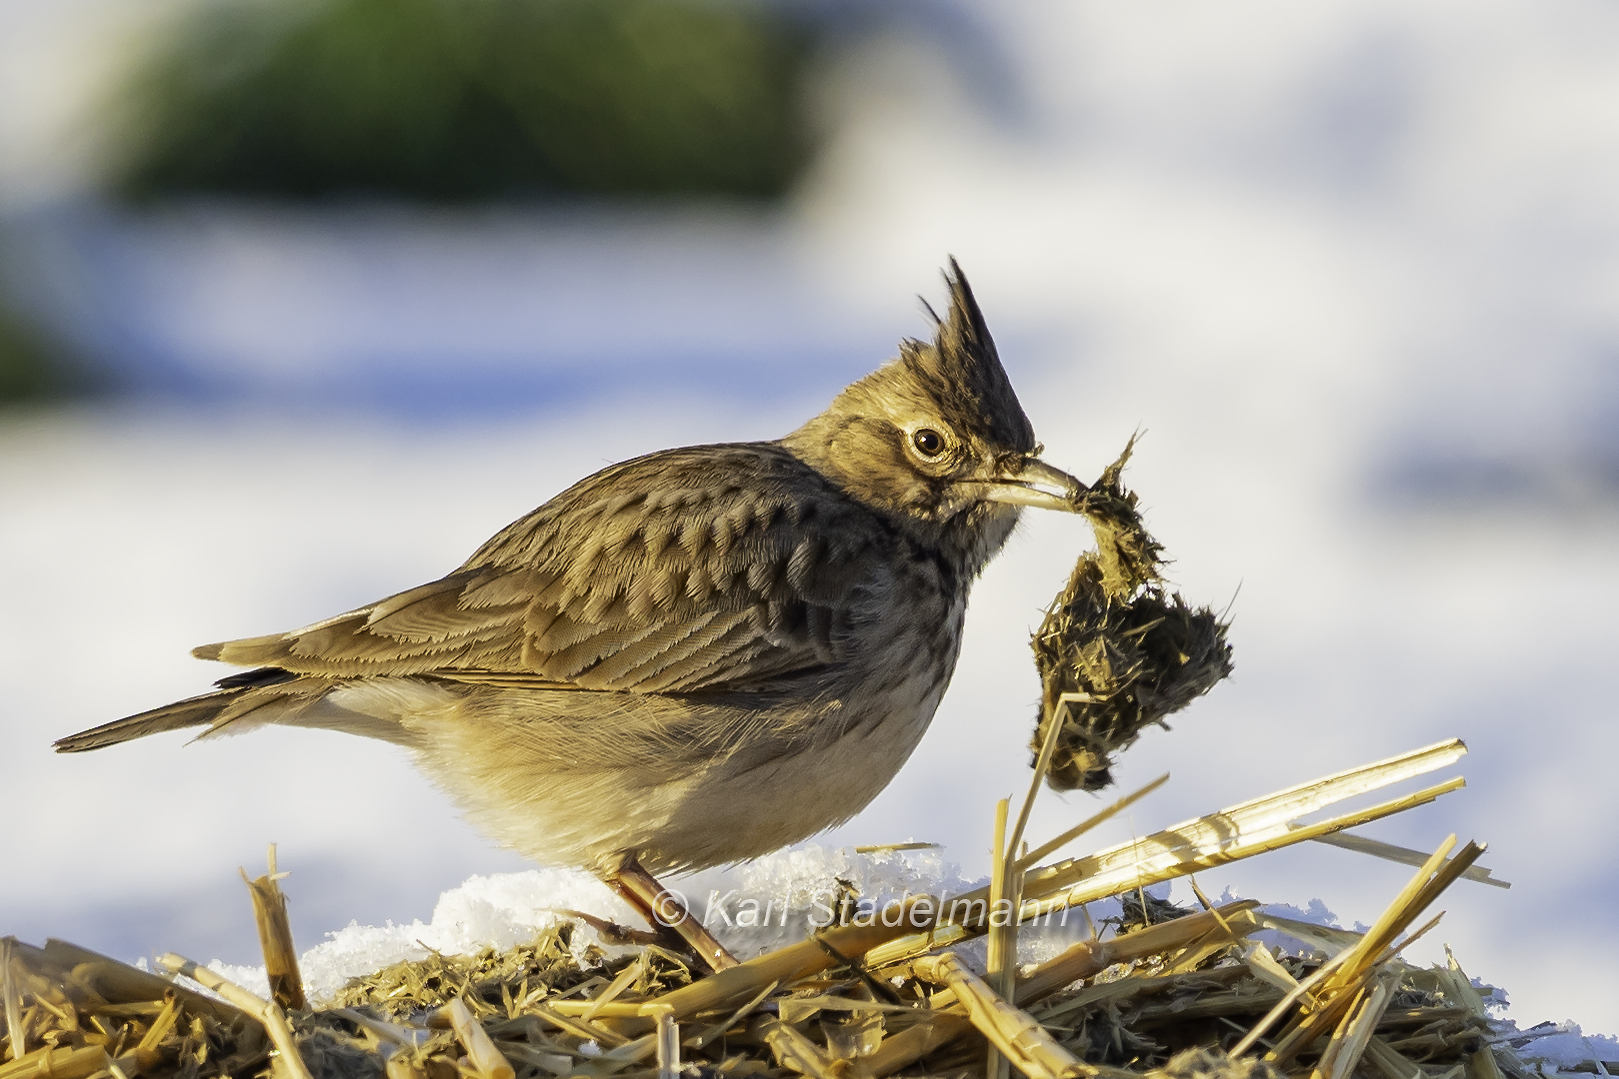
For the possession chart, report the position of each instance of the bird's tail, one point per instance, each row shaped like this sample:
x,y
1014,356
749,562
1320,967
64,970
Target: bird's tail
x,y
210,709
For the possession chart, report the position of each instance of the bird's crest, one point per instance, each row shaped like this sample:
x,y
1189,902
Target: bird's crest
x,y
961,369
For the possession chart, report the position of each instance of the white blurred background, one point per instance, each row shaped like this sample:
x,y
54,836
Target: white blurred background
x,y
1352,267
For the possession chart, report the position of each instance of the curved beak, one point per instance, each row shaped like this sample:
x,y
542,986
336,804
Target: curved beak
x,y
1029,481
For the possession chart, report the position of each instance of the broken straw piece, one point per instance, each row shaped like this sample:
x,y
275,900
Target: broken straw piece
x,y
267,1012
275,938
1403,855
1241,831
480,1050
1238,831
1018,1037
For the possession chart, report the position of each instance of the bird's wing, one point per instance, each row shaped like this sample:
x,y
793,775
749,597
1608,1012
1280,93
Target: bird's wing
x,y
719,567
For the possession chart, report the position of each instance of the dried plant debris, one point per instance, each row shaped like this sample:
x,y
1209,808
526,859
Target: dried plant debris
x,y
1141,909
1203,1063
546,966
72,1014
1118,651
547,1013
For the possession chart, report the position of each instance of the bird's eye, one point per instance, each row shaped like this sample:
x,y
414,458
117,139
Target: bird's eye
x,y
928,442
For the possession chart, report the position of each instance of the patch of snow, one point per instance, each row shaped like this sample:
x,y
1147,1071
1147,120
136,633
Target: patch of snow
x,y
754,908
1563,1047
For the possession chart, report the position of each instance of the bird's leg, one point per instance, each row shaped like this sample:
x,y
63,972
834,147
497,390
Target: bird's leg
x,y
665,911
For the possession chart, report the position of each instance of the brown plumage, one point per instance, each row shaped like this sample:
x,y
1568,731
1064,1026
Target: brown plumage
x,y
693,657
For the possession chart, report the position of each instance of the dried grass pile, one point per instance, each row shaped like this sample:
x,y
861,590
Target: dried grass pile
x,y
1166,992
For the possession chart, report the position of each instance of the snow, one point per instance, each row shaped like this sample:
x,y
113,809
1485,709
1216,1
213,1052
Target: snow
x,y
1566,1047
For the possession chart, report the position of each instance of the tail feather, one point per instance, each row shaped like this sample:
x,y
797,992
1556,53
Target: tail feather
x,y
247,650
191,712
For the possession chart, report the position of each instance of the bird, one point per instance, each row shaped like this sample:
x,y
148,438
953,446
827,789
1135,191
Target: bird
x,y
691,658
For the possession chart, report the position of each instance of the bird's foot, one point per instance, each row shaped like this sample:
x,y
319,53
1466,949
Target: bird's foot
x,y
666,912
612,932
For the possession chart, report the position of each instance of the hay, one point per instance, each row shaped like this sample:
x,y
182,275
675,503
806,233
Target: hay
x,y
1164,991
1117,651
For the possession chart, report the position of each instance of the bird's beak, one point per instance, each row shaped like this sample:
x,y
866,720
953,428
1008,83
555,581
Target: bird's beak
x,y
1029,481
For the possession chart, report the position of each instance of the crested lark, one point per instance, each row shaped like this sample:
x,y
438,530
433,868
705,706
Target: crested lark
x,y
694,657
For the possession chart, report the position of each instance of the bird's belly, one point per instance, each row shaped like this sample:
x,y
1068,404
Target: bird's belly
x,y
737,810
684,789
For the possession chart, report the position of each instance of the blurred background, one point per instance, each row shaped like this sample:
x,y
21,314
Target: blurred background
x,y
302,299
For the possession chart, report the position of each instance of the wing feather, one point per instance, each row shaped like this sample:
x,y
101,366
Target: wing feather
x,y
718,568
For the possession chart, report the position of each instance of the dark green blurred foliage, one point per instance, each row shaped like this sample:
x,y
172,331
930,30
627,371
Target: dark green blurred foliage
x,y
468,99
32,367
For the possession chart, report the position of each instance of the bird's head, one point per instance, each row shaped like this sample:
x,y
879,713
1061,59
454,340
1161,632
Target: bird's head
x,y
938,435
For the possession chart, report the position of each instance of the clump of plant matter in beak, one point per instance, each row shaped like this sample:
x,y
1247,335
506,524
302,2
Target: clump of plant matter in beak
x,y
1118,651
